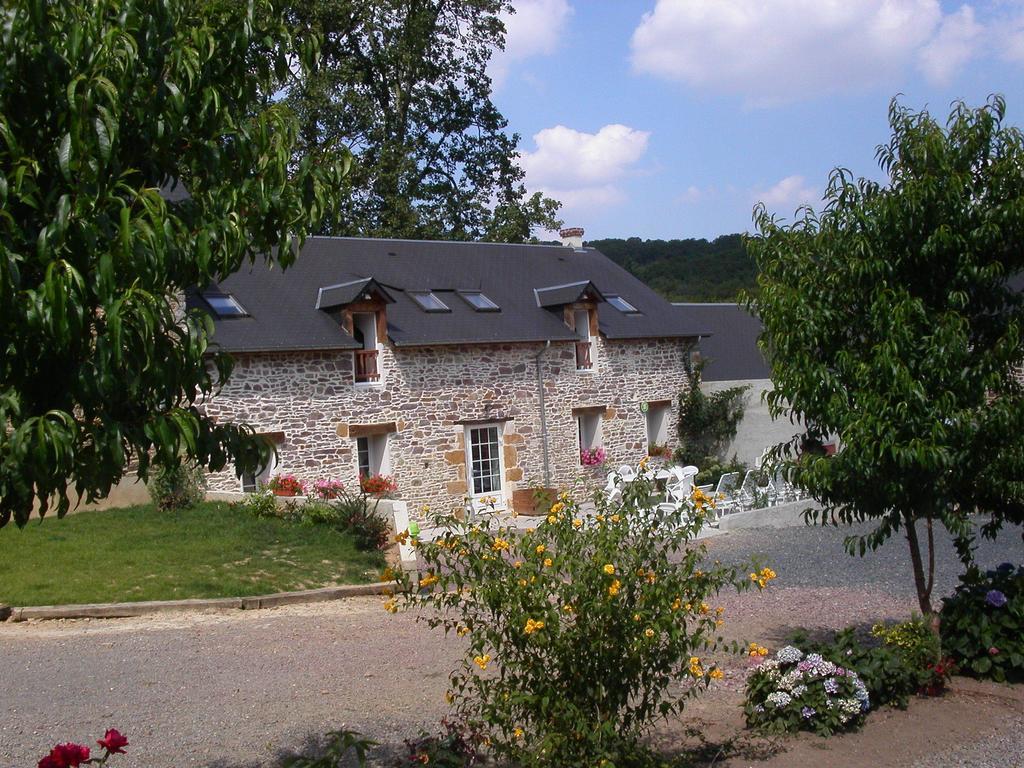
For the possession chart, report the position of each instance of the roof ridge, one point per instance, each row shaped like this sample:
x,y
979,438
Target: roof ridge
x,y
444,242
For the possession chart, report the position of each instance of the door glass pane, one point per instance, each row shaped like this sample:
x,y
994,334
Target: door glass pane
x,y
363,452
485,461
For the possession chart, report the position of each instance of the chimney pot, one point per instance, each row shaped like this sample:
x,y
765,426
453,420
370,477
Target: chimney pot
x,y
571,237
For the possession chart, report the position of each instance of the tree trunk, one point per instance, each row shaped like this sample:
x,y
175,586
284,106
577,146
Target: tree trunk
x,y
924,592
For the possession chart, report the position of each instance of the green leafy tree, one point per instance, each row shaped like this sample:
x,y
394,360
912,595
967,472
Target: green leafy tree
x,y
103,103
890,320
404,86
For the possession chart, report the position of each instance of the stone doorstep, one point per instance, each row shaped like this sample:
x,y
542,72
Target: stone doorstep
x,y
143,608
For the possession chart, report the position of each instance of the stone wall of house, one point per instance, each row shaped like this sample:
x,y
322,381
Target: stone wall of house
x,y
429,393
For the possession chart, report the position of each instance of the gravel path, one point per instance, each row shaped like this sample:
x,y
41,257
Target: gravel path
x,y
233,690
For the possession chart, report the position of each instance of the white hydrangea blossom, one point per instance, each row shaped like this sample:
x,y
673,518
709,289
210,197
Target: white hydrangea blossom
x,y
779,699
799,691
789,654
790,679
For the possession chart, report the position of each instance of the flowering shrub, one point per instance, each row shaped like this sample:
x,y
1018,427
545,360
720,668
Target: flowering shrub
x,y
377,485
982,623
459,746
895,661
285,485
328,489
71,755
580,632
592,457
792,692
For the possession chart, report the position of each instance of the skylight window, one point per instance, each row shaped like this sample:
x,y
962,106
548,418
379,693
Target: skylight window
x,y
429,302
479,302
224,305
622,305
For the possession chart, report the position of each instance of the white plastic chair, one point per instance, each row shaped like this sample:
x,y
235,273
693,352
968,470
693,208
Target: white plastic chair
x,y
613,486
627,473
725,493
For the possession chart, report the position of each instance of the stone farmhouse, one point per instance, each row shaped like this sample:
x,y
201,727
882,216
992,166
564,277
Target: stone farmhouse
x,y
461,370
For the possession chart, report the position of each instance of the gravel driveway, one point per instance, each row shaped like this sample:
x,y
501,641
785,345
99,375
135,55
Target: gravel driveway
x,y
233,690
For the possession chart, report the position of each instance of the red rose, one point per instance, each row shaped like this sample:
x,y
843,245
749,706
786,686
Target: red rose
x,y
65,756
113,741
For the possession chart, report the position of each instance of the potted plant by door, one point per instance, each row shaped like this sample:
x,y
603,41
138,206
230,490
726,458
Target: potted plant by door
x,y
285,485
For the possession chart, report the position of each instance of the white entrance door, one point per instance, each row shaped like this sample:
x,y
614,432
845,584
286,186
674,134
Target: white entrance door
x,y
484,466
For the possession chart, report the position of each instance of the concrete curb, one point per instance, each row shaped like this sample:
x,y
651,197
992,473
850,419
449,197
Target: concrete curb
x,y
789,515
122,610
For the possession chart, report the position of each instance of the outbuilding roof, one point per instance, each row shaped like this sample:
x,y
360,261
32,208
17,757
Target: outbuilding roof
x,y
528,283
731,352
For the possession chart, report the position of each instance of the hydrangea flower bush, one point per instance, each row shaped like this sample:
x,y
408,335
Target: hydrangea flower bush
x,y
581,632
792,691
982,623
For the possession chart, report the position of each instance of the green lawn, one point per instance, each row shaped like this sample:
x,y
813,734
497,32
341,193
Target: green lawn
x,y
139,553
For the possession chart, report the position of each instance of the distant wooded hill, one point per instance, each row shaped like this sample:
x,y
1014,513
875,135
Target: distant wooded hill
x,y
685,270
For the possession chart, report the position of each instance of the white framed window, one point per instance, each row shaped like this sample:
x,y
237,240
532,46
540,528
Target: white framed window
x,y
584,342
428,301
253,481
589,428
658,418
485,468
366,361
622,305
372,455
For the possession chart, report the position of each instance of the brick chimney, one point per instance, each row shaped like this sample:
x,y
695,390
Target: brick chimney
x,y
571,237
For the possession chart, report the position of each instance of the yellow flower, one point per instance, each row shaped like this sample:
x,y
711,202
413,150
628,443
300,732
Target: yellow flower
x,y
563,496
615,518
704,608
609,569
636,617
540,549
677,604
648,632
530,530
719,622
687,607
517,564
517,733
753,577
499,545
717,674
449,697
427,580
462,631
767,574
548,562
577,523
482,661
758,650
403,537
644,462
641,572
387,574
391,606
599,518
568,608
651,577
613,588
695,668
532,626
719,611
522,582
557,507
552,519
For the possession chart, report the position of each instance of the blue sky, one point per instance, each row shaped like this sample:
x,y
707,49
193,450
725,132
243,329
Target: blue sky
x,y
671,118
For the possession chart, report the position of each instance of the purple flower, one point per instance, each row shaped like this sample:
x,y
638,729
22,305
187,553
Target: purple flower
x,y
808,712
995,598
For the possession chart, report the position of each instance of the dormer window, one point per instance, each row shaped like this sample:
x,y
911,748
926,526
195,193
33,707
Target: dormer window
x,y
428,301
479,301
224,305
622,305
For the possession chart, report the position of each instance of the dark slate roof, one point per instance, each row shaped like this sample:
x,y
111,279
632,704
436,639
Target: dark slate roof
x,y
283,315
731,352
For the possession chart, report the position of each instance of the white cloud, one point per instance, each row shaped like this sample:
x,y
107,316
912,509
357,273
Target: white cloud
x,y
788,194
785,50
952,47
583,169
535,29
